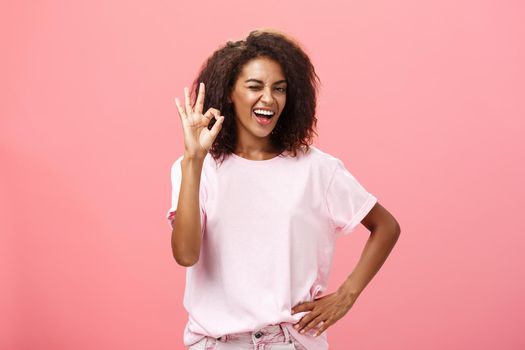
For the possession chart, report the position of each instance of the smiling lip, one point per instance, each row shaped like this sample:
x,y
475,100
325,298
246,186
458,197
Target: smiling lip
x,y
261,120
264,109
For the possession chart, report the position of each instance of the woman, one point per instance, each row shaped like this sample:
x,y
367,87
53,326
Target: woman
x,y
256,209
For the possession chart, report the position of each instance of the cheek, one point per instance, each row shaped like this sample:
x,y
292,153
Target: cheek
x,y
246,103
282,102
243,108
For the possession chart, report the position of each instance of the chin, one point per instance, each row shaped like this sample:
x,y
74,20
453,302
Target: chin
x,y
262,134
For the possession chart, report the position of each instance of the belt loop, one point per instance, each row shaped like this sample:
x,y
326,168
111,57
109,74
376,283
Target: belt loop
x,y
286,333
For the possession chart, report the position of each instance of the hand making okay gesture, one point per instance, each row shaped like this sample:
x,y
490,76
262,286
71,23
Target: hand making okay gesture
x,y
197,138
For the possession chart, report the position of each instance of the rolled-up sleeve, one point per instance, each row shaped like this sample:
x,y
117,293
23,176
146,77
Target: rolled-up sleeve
x,y
347,200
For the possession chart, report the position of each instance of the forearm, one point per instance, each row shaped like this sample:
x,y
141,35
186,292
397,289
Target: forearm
x,y
378,247
186,237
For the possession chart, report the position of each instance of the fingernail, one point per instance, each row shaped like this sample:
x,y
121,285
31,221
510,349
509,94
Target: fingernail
x,y
302,331
296,326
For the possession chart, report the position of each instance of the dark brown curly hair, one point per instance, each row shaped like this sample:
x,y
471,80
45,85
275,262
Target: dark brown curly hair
x,y
297,123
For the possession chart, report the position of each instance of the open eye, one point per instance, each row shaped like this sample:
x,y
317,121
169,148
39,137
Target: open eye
x,y
281,89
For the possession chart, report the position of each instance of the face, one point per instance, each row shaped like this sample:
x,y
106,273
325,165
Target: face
x,y
259,93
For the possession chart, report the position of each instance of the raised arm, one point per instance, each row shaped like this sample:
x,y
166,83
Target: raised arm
x,y
186,233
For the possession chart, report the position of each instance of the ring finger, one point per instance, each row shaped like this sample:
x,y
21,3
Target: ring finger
x,y
312,324
189,110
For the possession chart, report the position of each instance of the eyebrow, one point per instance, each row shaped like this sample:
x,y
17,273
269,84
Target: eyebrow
x,y
260,82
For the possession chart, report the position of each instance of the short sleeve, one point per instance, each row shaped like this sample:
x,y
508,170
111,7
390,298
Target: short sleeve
x,y
176,180
347,200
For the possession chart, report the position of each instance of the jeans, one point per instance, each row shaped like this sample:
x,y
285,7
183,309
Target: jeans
x,y
272,337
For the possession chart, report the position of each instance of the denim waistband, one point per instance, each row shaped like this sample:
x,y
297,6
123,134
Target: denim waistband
x,y
277,333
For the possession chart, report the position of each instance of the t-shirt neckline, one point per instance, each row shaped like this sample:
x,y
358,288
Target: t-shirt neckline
x,y
256,162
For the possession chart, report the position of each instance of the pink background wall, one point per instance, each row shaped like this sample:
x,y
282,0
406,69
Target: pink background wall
x,y
423,101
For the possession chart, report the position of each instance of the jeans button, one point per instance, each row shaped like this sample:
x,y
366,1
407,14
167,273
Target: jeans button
x,y
258,334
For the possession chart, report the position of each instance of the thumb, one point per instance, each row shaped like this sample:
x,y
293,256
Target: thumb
x,y
214,131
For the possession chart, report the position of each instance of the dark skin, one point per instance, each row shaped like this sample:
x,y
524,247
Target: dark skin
x,y
323,312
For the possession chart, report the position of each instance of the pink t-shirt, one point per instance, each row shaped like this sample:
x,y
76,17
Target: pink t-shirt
x,y
268,236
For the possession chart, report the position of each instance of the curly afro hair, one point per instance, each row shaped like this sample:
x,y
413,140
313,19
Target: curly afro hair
x,y
296,125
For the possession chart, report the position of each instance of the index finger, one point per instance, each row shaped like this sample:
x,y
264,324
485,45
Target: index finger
x,y
305,306
199,105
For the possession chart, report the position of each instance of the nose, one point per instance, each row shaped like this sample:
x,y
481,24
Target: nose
x,y
267,96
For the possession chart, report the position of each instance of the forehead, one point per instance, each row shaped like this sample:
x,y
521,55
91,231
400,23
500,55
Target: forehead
x,y
262,68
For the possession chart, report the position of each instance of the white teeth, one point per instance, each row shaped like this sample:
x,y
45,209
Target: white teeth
x,y
262,111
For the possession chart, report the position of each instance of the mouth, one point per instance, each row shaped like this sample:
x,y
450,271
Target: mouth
x,y
263,116
263,113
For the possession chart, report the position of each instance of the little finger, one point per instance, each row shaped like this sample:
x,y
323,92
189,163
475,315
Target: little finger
x,y
325,325
180,109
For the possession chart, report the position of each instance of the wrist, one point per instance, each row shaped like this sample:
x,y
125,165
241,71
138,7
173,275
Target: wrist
x,y
194,156
349,290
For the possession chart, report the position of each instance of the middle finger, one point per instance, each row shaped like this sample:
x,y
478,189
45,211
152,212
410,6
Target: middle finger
x,y
199,105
